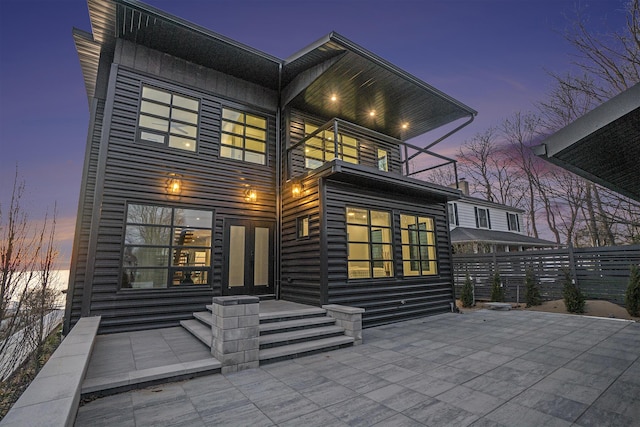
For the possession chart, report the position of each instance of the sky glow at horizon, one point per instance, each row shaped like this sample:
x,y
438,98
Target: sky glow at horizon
x,y
492,55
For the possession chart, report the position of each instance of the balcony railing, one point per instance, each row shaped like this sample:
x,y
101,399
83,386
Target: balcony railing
x,y
339,139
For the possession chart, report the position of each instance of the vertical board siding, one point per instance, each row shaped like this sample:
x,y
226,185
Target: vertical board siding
x,y
137,172
393,299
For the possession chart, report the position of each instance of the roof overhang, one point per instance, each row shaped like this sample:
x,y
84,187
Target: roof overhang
x,y
382,182
473,235
363,83
603,145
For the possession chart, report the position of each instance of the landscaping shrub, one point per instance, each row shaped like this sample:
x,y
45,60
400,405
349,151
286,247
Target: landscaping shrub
x,y
497,292
573,298
466,294
632,296
531,292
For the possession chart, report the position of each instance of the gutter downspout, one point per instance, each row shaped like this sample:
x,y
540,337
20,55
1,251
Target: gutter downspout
x,y
277,237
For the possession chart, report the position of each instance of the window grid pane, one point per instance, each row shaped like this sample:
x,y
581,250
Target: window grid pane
x,y
247,134
347,148
418,245
165,246
370,253
172,118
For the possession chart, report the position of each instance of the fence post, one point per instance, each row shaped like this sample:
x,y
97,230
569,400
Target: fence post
x,y
572,264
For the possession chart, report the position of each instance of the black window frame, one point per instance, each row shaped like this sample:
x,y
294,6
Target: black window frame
x,y
373,246
300,228
415,258
166,135
244,135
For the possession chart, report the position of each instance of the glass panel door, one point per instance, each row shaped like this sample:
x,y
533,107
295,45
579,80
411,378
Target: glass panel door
x,y
248,257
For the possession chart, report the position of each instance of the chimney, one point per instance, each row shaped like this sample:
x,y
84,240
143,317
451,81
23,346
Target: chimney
x,y
462,185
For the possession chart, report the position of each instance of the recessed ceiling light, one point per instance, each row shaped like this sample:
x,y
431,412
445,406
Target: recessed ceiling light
x,y
334,98
372,113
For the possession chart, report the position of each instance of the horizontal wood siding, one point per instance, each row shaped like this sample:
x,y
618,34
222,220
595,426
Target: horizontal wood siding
x,y
137,172
300,267
78,268
368,144
393,299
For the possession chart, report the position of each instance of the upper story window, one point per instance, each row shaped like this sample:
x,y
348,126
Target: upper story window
x,y
483,219
383,160
453,214
418,245
322,148
244,137
369,243
166,246
168,118
513,222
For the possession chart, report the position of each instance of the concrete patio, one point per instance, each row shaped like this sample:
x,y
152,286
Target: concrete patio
x,y
487,368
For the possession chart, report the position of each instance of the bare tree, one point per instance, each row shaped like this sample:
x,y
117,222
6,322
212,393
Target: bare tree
x,y
27,292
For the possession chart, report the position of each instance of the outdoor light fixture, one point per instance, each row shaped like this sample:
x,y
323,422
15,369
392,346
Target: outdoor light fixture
x,y
334,98
405,125
372,113
250,195
296,189
174,185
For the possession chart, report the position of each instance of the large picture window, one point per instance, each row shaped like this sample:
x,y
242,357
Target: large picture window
x,y
166,246
418,245
321,148
244,137
370,252
168,118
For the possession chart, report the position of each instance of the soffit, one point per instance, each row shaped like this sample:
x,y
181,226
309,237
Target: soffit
x,y
603,145
364,82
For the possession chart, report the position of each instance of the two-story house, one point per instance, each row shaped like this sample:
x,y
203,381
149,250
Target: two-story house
x,y
214,169
480,226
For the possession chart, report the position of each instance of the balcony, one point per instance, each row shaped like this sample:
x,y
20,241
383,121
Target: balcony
x,y
351,143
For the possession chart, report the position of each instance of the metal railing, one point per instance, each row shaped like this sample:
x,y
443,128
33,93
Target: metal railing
x,y
398,150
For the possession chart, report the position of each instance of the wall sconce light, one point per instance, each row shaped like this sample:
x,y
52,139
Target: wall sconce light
x,y
250,195
296,189
174,185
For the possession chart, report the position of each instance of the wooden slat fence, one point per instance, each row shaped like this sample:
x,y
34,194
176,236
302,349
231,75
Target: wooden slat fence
x,y
601,273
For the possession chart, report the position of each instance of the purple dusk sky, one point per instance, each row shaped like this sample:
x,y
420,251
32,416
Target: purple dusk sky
x,y
490,54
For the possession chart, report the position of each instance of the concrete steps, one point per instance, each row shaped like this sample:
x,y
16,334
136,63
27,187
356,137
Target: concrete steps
x,y
284,334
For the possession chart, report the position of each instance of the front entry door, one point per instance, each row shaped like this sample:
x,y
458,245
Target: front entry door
x,y
248,257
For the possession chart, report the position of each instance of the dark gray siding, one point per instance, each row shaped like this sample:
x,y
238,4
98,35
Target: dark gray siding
x,y
300,267
393,299
136,172
83,221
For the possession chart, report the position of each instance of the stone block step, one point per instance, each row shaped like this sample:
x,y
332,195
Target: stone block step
x,y
292,337
198,330
205,317
278,316
303,348
295,324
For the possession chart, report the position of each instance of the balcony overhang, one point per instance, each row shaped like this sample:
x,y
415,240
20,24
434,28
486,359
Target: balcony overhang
x,y
366,177
602,146
368,90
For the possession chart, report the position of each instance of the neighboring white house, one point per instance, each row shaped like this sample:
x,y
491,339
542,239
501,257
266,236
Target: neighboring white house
x,y
480,226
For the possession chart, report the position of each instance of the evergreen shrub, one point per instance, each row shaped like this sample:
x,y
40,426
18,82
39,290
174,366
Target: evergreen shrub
x,y
573,297
531,292
466,294
497,292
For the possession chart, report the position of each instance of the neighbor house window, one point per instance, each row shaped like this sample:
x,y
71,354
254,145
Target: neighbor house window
x,y
383,160
483,219
418,245
369,243
453,214
166,246
168,118
244,137
322,148
303,227
513,222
